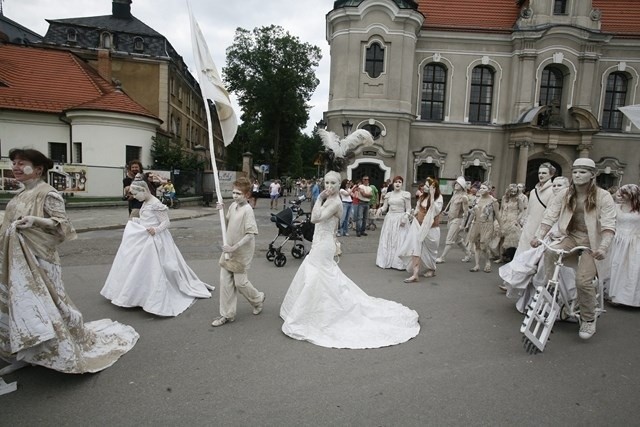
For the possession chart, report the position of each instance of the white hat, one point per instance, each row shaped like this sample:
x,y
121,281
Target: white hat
x,y
462,182
584,163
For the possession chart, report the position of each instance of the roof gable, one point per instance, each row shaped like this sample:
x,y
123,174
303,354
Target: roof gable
x,y
53,81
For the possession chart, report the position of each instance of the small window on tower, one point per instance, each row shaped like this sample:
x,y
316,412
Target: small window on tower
x,y
72,35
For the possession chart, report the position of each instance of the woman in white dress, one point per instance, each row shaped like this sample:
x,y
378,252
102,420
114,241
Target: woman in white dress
x,y
624,285
149,270
397,205
323,306
420,248
39,324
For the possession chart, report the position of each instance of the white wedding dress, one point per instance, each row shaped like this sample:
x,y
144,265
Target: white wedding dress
x,y
149,271
323,306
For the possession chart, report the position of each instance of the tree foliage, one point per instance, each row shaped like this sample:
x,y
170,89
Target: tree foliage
x,y
170,155
273,75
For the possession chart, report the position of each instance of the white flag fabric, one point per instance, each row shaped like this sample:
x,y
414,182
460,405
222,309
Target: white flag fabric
x,y
633,113
211,83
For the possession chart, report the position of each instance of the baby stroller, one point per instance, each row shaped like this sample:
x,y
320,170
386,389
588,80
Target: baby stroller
x,y
293,224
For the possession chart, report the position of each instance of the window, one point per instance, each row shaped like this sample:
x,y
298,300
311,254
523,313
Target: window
x,y
474,174
434,83
560,7
551,86
614,97
374,130
77,152
178,126
481,95
606,180
179,93
374,63
426,170
138,44
132,153
172,86
106,41
58,152
72,35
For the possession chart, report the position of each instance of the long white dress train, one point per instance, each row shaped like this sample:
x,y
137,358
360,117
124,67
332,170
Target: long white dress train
x,y
323,306
149,271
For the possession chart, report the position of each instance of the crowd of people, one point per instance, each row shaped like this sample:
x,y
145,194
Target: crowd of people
x,y
40,325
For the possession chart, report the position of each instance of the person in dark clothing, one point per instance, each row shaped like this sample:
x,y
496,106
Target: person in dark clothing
x,y
134,167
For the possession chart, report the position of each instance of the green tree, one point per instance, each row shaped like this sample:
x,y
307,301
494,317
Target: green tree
x,y
170,155
273,75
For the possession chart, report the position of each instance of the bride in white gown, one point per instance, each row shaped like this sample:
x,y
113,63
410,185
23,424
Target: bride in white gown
x,y
149,270
323,306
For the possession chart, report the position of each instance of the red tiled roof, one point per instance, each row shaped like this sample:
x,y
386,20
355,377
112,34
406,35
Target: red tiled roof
x,y
53,81
618,16
488,15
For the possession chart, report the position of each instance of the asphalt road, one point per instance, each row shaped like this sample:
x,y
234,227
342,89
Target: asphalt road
x,y
466,367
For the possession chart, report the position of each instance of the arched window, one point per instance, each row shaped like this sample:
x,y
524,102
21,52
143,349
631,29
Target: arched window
x,y
474,174
434,84
481,97
615,96
106,41
138,44
374,130
72,35
374,61
551,86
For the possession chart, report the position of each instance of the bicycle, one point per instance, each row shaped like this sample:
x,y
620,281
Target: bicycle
x,y
166,200
552,302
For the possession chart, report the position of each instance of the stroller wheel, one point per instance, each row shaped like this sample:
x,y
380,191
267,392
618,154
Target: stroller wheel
x,y
280,260
297,251
271,254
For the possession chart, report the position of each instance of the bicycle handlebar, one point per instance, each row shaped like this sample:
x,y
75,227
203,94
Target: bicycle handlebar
x,y
563,251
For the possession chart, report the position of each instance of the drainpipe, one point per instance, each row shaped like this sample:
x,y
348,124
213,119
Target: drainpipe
x,y
64,119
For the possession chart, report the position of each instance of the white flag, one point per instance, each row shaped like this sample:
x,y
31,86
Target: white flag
x,y
633,113
211,83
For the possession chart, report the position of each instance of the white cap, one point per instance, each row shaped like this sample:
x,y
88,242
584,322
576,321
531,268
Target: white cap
x,y
584,163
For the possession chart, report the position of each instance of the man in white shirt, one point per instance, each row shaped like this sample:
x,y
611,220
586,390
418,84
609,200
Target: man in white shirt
x,y
274,193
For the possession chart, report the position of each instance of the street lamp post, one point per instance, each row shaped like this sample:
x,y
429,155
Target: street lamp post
x,y
346,127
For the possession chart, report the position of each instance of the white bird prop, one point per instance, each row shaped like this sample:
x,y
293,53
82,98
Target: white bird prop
x,y
343,147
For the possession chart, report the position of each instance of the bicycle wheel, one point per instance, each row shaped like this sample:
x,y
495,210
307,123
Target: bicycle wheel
x,y
176,203
372,226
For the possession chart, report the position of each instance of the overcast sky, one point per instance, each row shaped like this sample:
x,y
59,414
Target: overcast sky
x,y
218,20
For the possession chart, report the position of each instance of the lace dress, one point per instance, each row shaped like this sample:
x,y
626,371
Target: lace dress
x,y
394,230
39,323
149,271
323,306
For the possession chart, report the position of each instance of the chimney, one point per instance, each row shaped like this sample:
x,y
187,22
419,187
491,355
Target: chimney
x,y
121,9
104,64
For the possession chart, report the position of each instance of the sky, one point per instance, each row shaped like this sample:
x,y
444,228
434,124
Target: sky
x,y
218,20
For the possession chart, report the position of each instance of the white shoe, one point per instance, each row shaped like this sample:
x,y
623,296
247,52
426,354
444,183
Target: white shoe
x,y
258,308
587,329
222,320
439,260
466,258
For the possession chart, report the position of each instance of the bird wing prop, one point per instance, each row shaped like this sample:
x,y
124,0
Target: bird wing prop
x,y
342,147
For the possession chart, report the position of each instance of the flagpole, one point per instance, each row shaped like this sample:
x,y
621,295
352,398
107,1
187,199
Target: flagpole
x,y
211,87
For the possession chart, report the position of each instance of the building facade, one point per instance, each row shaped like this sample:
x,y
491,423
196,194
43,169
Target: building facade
x,y
488,90
147,67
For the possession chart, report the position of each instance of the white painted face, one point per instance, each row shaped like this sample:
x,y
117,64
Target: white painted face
x,y
238,196
483,190
559,184
138,193
620,198
331,183
513,189
581,176
23,170
397,184
544,175
521,188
